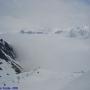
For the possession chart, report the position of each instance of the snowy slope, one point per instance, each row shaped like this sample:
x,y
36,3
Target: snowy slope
x,y
8,65
51,52
46,80
7,74
81,83
50,61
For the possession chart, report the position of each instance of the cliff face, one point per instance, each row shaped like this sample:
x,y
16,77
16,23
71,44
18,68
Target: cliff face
x,y
7,49
8,54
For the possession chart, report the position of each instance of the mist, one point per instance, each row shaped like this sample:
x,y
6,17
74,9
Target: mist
x,y
26,14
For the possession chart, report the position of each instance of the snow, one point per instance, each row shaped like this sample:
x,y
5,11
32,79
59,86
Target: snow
x,y
7,75
81,83
47,80
51,61
51,52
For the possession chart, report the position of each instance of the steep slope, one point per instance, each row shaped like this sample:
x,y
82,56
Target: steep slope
x,y
8,66
7,74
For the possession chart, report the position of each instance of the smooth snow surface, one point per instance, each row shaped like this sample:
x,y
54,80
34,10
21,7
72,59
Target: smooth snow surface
x,y
42,79
81,83
7,75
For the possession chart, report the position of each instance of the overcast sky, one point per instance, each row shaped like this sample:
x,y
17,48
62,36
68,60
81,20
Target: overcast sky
x,y
23,14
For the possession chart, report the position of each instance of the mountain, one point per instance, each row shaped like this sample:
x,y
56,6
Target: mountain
x,y
8,64
74,32
81,32
50,61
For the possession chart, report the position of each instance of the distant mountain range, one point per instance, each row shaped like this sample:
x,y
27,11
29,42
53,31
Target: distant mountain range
x,y
74,32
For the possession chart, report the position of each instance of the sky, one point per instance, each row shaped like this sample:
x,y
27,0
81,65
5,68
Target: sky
x,y
27,14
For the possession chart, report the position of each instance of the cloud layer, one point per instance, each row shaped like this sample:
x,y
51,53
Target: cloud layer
x,y
19,14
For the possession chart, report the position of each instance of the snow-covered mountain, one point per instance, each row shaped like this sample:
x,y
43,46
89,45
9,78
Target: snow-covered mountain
x,y
50,61
8,65
80,32
74,32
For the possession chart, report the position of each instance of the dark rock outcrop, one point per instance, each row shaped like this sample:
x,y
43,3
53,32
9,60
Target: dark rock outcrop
x,y
8,54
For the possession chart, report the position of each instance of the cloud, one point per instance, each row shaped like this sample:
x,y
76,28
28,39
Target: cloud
x,y
18,14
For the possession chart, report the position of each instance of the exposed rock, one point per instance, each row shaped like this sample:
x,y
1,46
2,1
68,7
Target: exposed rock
x,y
8,54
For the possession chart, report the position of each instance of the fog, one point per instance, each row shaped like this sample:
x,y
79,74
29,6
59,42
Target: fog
x,y
26,14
